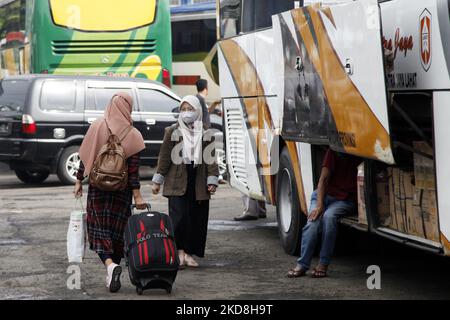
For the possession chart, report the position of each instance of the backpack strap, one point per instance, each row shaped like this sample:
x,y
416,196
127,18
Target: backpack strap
x,y
109,129
126,131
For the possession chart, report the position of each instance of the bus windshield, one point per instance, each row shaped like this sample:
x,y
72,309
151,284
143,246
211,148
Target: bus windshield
x,y
103,15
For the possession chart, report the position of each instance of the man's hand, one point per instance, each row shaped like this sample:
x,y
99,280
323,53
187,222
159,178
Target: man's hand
x,y
316,213
212,188
155,188
78,189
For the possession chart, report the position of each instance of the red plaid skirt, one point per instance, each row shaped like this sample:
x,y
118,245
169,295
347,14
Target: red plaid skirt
x,y
107,217
108,212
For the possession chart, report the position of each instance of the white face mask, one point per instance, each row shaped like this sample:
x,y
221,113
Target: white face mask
x,y
188,117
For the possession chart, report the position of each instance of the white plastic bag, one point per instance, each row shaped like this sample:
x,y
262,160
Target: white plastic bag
x,y
76,234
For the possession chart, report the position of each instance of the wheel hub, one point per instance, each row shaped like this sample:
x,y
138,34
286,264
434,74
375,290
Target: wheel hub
x,y
73,164
285,205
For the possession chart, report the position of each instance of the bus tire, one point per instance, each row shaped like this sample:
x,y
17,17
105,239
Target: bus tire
x,y
68,165
289,215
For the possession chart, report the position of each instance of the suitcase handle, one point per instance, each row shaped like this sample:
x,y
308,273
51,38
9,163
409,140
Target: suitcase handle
x,y
133,206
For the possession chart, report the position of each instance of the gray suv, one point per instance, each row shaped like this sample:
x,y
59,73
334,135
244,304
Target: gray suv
x,y
43,119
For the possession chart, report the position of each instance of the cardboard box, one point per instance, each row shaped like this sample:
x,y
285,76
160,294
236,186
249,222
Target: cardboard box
x,y
401,196
383,208
425,215
424,167
362,214
383,204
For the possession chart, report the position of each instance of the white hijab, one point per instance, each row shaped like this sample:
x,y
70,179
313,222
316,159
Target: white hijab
x,y
193,133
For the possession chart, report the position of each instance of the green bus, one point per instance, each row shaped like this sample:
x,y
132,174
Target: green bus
x,y
86,37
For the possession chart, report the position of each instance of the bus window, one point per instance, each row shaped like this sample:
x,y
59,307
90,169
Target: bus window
x,y
12,37
256,14
265,9
12,22
230,18
193,39
248,17
327,2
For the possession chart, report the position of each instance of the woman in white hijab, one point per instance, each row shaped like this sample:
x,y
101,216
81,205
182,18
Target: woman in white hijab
x,y
188,169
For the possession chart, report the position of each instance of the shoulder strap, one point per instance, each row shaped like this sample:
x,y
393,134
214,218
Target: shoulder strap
x,y
107,126
126,130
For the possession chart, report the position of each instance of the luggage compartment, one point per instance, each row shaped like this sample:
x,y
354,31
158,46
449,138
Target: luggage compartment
x,y
403,198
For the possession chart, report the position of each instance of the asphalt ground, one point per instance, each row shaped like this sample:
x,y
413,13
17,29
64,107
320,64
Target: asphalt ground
x,y
244,260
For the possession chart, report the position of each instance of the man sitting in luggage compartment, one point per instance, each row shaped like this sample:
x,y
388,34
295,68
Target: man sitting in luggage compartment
x,y
335,197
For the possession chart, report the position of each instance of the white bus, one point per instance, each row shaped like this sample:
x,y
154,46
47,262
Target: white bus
x,y
368,78
194,48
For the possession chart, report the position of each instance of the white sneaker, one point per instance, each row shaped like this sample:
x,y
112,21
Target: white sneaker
x,y
113,277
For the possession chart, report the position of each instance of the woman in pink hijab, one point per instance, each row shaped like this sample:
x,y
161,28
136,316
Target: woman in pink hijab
x,y
108,212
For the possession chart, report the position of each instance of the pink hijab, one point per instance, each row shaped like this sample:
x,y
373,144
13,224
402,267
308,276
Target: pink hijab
x,y
118,117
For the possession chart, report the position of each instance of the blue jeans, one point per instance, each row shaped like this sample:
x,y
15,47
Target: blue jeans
x,y
327,225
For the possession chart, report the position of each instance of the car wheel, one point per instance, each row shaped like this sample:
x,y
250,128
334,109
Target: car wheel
x,y
68,165
32,177
289,216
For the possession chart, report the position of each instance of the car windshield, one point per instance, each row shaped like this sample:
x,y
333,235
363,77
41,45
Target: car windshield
x,y
12,95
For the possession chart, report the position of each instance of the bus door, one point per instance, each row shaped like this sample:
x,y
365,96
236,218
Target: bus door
x,y
334,89
239,93
246,78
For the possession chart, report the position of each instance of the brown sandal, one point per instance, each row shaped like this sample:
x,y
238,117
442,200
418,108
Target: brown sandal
x,y
296,273
319,273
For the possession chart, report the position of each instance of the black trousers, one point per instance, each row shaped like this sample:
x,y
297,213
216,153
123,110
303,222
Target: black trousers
x,y
190,218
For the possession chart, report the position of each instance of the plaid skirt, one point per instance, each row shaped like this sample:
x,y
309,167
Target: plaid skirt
x,y
107,217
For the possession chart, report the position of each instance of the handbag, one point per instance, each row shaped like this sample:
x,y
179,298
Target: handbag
x,y
76,233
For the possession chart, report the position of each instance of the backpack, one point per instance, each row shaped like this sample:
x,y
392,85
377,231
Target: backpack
x,y
110,171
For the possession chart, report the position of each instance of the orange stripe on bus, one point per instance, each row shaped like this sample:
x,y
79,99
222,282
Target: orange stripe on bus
x,y
351,112
446,243
249,85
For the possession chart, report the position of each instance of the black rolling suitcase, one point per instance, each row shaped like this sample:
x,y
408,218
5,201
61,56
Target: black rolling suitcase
x,y
150,251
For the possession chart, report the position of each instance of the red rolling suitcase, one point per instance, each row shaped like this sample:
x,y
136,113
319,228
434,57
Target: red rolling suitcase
x,y
150,251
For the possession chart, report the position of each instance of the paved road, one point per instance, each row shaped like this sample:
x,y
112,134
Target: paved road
x,y
243,260
3,169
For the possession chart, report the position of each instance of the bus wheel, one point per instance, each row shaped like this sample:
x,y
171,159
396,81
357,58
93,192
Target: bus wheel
x,y
68,165
32,177
290,218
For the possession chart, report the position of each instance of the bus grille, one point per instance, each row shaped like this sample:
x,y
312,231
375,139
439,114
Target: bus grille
x,y
103,46
236,142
